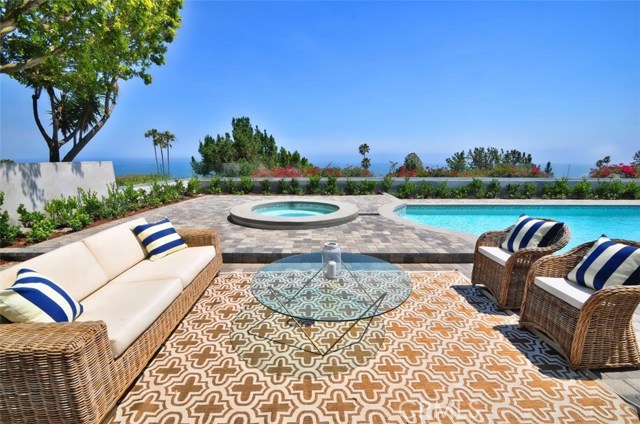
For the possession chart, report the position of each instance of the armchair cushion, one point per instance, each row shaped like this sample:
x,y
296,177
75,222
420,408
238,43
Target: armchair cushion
x,y
531,232
496,254
608,264
159,238
35,298
565,290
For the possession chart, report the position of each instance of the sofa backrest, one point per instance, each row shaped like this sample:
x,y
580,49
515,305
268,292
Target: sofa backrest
x,y
72,266
117,249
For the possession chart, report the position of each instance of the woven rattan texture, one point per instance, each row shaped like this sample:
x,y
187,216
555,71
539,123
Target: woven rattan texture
x,y
600,334
66,373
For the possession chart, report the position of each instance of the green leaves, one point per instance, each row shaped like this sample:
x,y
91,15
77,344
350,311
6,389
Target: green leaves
x,y
80,49
245,145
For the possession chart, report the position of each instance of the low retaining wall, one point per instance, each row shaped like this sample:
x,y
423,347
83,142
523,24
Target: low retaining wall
x,y
32,184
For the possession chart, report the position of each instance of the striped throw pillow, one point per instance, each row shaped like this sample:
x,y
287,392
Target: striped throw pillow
x,y
531,232
159,238
608,264
34,298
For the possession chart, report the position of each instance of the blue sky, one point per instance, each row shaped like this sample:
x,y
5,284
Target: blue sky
x,y
560,80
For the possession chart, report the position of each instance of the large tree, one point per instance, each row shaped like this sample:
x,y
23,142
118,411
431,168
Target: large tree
x,y
76,51
244,144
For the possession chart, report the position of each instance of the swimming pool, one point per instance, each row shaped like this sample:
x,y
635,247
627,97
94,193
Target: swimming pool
x,y
585,222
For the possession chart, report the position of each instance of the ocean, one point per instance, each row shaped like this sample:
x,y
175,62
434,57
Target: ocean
x,y
181,167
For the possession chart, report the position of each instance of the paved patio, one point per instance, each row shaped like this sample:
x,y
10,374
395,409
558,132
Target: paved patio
x,y
413,246
369,233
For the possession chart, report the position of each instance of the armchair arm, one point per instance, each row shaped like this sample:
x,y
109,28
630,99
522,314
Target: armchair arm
x,y
607,315
53,372
492,238
560,265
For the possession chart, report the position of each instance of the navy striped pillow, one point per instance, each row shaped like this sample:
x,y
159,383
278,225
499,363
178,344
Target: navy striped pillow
x,y
159,238
531,232
34,298
608,264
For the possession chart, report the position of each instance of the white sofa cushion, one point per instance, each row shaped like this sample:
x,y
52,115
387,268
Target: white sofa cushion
x,y
117,249
129,308
72,267
185,264
566,290
496,254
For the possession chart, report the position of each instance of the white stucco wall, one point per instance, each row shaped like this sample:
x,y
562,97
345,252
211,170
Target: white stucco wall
x,y
32,184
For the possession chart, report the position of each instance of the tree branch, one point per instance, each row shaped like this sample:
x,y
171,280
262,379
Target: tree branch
x,y
7,23
34,61
34,99
109,105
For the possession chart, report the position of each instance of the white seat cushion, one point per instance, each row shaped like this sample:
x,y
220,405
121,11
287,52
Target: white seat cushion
x,y
129,308
117,249
184,264
72,267
497,254
568,291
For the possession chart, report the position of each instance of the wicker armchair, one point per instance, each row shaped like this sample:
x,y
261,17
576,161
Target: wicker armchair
x,y
599,334
506,280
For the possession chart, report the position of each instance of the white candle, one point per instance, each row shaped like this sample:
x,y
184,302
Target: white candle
x,y
331,269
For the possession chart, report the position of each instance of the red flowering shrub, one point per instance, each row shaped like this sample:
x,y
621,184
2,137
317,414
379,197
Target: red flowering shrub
x,y
290,172
620,170
277,172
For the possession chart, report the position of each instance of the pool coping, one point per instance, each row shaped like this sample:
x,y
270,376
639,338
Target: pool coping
x,y
243,214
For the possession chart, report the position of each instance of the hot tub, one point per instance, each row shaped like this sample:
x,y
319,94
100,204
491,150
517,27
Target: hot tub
x,y
293,214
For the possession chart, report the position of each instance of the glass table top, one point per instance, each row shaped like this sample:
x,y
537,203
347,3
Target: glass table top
x,y
365,287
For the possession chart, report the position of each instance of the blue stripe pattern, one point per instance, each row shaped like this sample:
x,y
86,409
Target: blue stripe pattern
x,y
608,264
35,298
531,232
159,238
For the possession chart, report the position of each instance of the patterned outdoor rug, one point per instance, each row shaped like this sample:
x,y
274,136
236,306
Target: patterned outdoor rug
x,y
445,355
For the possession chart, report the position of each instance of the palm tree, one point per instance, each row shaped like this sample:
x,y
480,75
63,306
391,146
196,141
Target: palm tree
x,y
364,149
168,138
153,133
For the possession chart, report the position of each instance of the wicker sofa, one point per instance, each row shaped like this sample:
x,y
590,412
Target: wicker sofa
x,y
75,372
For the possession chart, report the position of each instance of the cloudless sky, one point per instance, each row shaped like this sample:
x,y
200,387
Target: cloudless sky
x,y
557,79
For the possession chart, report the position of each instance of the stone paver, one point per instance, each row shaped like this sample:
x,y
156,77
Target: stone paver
x,y
414,246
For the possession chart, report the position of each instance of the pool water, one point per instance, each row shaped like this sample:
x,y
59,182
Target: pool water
x,y
296,209
586,223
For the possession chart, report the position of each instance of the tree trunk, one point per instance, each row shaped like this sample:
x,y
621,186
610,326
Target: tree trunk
x,y
54,154
168,163
155,153
162,158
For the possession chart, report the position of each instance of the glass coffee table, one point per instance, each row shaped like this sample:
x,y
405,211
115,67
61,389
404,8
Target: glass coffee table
x,y
295,286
